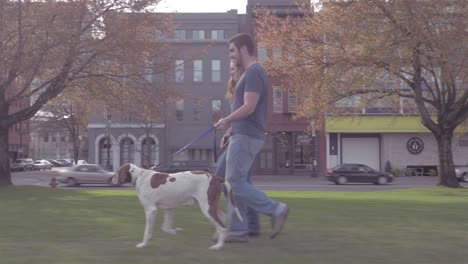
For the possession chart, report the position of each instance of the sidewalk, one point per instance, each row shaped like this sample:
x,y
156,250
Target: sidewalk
x,y
307,183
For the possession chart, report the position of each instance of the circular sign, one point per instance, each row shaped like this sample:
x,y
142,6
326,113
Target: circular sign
x,y
415,145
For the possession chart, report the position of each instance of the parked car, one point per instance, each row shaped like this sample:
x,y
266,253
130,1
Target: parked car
x,y
345,173
65,162
84,174
184,165
42,165
56,163
462,173
22,165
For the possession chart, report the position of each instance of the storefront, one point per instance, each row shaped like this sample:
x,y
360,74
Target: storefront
x,y
294,153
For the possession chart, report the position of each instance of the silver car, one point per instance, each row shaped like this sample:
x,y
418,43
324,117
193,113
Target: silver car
x,y
84,174
42,165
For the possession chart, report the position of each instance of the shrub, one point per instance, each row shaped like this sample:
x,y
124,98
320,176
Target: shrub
x,y
396,172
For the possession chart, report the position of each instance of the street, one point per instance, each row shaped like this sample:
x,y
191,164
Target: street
x,y
263,182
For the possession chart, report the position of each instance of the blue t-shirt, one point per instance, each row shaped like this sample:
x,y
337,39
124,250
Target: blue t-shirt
x,y
254,79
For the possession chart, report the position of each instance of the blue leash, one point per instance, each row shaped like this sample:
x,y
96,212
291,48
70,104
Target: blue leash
x,y
194,141
204,134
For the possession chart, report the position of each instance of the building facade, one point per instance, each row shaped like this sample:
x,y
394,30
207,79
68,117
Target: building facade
x,y
18,135
200,73
376,137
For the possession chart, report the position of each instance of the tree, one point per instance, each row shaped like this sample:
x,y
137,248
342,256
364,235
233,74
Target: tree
x,y
377,51
68,112
49,46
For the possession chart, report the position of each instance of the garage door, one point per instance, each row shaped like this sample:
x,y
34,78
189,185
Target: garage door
x,y
361,150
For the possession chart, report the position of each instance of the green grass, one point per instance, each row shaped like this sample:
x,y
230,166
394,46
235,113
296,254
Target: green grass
x,y
40,225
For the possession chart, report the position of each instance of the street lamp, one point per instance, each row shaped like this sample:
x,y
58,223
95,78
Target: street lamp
x,y
108,124
314,150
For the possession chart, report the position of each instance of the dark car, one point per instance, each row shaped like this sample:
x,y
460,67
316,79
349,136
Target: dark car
x,y
184,165
56,163
345,173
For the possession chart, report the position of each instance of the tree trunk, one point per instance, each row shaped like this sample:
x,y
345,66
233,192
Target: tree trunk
x,y
5,176
76,144
446,171
76,150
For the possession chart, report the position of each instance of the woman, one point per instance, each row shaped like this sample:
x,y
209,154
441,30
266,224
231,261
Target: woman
x,y
252,216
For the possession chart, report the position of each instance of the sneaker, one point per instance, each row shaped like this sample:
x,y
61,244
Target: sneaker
x,y
277,222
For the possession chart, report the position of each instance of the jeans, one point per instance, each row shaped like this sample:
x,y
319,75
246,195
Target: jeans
x,y
252,218
241,153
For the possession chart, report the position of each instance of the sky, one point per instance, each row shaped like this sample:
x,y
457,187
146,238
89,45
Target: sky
x,y
196,6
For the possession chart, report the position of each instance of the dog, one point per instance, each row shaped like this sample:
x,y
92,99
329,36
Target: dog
x,y
167,191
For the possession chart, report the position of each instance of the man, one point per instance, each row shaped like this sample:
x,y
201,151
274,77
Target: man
x,y
247,123
252,217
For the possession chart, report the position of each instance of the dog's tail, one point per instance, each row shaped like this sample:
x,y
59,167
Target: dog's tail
x,y
231,198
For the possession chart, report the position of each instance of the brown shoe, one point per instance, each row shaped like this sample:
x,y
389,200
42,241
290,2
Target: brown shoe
x,y
278,221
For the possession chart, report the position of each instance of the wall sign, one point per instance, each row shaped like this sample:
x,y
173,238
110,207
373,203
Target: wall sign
x,y
415,145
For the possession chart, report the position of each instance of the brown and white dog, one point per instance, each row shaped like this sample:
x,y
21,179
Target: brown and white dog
x,y
167,191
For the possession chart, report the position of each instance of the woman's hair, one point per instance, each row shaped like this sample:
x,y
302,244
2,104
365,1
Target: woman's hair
x,y
233,82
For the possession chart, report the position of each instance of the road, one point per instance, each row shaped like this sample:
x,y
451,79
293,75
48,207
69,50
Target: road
x,y
263,182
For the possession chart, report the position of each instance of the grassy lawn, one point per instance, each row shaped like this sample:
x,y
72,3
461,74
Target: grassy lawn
x,y
40,225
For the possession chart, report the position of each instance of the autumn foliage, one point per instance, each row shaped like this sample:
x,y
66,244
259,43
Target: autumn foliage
x,y
356,54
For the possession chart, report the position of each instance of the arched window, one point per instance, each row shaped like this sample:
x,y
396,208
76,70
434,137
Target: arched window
x,y
127,151
149,153
105,153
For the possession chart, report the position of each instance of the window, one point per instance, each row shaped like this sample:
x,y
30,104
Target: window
x,y
62,139
292,102
217,34
197,70
127,151
198,35
179,71
277,100
215,70
215,109
46,138
149,153
148,70
180,110
54,139
181,34
352,101
197,105
199,154
262,52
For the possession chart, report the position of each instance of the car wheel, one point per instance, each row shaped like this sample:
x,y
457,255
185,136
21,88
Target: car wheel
x,y
71,182
382,180
464,177
341,180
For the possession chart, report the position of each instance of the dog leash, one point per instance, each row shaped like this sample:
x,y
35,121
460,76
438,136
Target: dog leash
x,y
204,134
